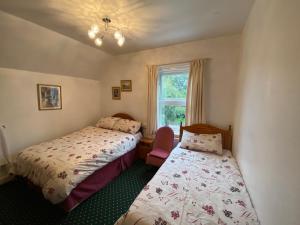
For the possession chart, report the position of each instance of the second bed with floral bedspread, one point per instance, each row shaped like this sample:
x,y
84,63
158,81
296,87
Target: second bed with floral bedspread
x,y
193,188
58,166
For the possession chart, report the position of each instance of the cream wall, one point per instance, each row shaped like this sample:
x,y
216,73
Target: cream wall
x,y
26,125
31,54
28,46
266,128
220,78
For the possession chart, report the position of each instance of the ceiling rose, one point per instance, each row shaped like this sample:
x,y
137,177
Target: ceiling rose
x,y
97,35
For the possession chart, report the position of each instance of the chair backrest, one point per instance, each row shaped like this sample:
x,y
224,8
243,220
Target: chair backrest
x,y
164,139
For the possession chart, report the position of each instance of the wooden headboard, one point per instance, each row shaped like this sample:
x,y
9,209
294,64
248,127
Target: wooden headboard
x,y
208,129
124,116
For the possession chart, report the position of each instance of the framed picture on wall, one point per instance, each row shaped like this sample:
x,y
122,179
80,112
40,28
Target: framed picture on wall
x,y
126,85
49,97
116,93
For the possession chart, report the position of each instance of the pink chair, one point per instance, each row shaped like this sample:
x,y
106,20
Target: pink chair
x,y
163,145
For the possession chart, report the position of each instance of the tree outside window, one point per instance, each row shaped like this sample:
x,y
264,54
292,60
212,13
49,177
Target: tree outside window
x,y
172,94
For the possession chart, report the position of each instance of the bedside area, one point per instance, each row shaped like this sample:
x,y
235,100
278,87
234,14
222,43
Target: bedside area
x,y
144,147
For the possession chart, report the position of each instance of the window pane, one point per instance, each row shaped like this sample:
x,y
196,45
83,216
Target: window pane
x,y
174,86
171,115
172,91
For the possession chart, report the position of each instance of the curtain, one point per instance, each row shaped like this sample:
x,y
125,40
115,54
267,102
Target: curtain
x,y
152,100
194,101
3,147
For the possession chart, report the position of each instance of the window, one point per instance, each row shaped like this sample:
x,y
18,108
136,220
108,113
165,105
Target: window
x,y
172,91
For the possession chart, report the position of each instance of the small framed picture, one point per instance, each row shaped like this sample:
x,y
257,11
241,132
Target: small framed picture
x,y
49,97
116,93
126,85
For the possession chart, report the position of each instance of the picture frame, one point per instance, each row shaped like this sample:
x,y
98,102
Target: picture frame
x,y
116,93
126,85
49,97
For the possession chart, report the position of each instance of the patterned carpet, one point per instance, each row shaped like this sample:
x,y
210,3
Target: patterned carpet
x,y
19,205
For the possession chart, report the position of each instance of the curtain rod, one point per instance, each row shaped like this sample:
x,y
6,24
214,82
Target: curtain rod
x,y
167,64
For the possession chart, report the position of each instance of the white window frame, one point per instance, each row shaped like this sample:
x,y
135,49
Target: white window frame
x,y
171,70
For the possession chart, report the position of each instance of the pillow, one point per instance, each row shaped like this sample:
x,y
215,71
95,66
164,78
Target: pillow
x,y
202,142
107,122
127,126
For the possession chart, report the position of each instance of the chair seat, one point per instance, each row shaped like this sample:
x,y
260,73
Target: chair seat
x,y
160,153
154,160
163,145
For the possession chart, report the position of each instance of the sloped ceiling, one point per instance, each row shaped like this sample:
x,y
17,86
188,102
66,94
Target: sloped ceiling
x,y
145,23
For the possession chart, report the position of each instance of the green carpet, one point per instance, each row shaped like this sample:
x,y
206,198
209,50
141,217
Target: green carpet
x,y
20,205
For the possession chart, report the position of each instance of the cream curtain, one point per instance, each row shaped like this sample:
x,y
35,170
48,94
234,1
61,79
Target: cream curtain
x,y
194,105
152,100
3,148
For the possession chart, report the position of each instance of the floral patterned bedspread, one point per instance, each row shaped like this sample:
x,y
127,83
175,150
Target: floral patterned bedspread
x,y
59,165
193,188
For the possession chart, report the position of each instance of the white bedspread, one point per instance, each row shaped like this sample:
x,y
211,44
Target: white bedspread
x,y
60,165
193,188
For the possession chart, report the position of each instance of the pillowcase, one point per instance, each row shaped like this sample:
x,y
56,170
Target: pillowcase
x,y
127,126
107,122
202,142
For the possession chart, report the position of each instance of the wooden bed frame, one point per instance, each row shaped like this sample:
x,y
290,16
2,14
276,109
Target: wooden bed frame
x,y
208,129
123,116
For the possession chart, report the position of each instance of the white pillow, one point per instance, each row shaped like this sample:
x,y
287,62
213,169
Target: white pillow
x,y
127,126
202,142
107,122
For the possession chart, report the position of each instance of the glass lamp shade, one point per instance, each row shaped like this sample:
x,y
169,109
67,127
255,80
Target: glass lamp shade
x,y
117,35
121,41
91,34
98,41
95,28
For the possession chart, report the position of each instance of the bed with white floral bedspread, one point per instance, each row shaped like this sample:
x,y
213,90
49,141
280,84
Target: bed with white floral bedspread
x,y
193,188
58,166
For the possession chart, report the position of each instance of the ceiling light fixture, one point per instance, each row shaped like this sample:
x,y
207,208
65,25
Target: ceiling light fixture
x,y
95,33
98,41
91,34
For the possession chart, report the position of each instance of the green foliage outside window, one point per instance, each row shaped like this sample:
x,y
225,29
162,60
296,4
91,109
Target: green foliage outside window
x,y
173,87
173,115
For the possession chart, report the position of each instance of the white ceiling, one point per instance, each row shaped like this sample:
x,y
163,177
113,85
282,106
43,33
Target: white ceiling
x,y
145,23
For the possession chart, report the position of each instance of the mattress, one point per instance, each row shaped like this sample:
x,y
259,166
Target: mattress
x,y
58,166
193,188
